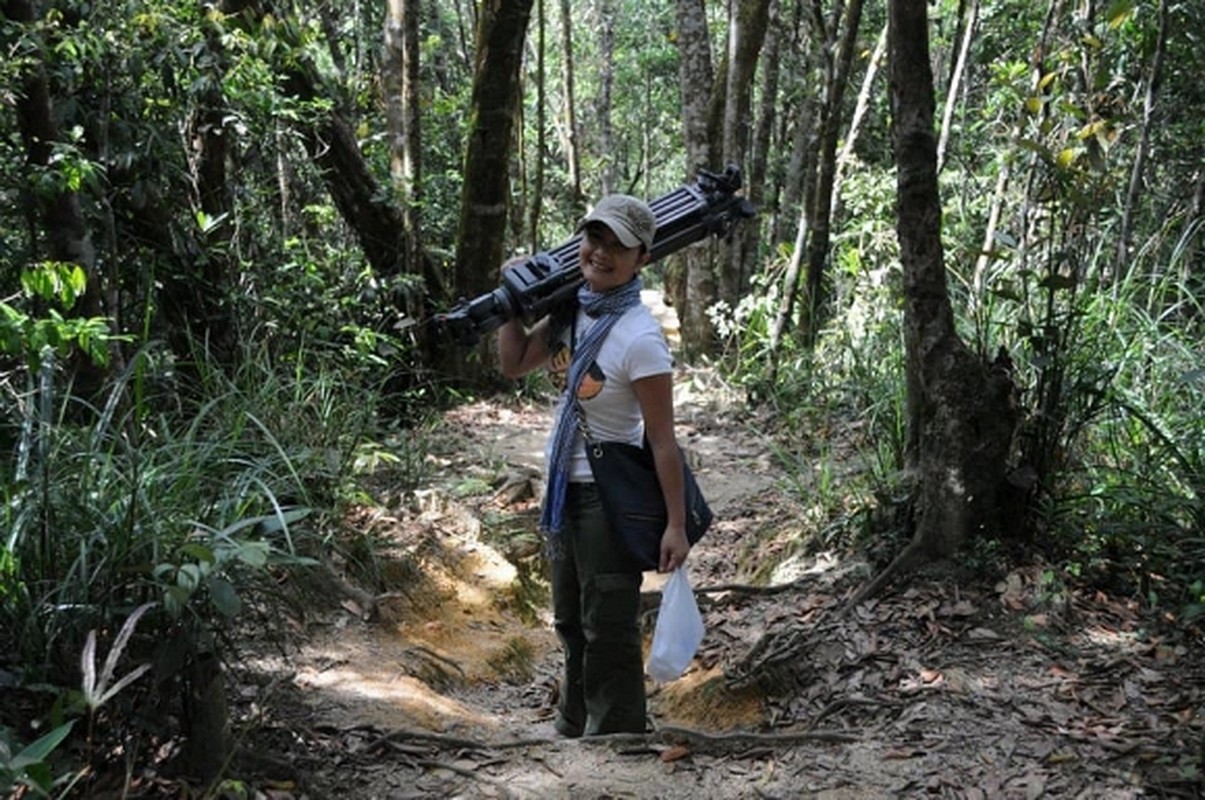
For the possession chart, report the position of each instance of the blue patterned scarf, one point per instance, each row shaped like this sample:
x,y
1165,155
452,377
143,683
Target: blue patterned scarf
x,y
606,308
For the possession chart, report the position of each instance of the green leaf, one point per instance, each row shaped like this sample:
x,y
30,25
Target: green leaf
x,y
225,597
39,750
40,775
189,577
1066,157
254,554
273,523
1119,13
37,283
197,552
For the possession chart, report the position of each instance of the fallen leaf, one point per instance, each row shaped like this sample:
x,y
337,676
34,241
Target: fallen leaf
x,y
674,753
903,752
963,608
982,634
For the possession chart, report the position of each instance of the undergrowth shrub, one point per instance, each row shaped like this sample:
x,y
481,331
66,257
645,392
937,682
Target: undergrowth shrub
x,y
200,499
1128,506
837,408
1112,391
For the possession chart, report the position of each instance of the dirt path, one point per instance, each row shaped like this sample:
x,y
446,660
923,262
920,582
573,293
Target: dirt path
x,y
443,686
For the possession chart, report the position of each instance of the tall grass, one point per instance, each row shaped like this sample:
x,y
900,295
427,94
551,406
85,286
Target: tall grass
x,y
1130,501
187,496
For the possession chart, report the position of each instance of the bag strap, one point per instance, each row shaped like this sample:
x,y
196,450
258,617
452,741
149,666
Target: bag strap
x,y
583,427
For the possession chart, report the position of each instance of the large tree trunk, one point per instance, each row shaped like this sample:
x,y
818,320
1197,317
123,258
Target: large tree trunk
x,y
757,179
495,101
400,82
485,201
690,278
746,36
962,409
819,237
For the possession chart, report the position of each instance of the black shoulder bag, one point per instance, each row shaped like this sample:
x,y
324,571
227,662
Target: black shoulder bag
x,y
626,480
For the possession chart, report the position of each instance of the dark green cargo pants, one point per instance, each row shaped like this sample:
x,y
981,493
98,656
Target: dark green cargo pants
x,y
596,610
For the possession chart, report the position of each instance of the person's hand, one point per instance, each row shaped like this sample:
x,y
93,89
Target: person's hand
x,y
674,549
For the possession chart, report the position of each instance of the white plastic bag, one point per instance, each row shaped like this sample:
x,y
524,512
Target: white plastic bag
x,y
678,631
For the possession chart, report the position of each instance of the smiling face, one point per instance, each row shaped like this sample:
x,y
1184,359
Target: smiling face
x,y
606,262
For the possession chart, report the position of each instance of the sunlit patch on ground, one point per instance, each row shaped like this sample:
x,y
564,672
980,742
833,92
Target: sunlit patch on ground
x,y
701,699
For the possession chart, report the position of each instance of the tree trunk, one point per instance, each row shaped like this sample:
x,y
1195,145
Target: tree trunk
x,y
606,81
1121,268
537,186
495,101
403,101
572,156
855,122
970,19
821,206
66,233
746,36
963,410
412,135
690,279
367,209
802,177
790,291
201,296
485,200
798,180
757,178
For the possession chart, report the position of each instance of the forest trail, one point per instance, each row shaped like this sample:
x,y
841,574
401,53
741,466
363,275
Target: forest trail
x,y
443,686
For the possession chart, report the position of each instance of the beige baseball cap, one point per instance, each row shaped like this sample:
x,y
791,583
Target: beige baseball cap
x,y
630,219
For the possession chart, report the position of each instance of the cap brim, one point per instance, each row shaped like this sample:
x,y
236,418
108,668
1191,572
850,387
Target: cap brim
x,y
620,228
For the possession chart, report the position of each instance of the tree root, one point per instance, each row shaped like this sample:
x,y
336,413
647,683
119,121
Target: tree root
x,y
667,734
697,737
909,558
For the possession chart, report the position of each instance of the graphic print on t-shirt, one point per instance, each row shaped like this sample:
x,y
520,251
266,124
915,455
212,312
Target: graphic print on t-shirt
x,y
558,369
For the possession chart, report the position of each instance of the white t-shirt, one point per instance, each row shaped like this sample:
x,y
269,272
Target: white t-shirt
x,y
634,349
